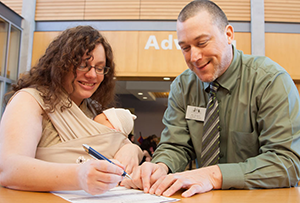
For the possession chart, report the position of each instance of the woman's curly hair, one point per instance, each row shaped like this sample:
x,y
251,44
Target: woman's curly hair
x,y
63,55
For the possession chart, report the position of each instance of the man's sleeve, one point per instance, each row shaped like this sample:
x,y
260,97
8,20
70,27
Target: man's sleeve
x,y
175,148
278,121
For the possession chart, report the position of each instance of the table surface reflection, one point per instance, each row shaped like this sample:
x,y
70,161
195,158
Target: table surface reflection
x,y
286,195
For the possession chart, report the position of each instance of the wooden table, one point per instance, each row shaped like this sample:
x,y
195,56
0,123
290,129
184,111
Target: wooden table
x,y
285,195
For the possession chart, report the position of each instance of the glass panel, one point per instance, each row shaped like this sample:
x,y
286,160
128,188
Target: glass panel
x,y
13,55
3,41
8,88
1,97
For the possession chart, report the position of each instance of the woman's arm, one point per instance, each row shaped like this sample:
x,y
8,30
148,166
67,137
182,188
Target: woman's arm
x,y
20,132
130,156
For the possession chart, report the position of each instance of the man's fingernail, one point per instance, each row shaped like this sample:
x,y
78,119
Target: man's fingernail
x,y
166,194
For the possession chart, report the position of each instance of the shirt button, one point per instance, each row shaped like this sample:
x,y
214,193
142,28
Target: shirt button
x,y
221,155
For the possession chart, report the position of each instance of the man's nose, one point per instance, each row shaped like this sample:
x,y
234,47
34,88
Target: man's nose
x,y
196,54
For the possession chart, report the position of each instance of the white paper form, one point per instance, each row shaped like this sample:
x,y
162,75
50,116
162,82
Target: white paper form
x,y
115,195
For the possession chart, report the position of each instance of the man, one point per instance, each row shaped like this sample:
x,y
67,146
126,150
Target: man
x,y
259,117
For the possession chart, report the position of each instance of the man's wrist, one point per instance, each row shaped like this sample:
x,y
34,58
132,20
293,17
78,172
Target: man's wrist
x,y
164,166
215,176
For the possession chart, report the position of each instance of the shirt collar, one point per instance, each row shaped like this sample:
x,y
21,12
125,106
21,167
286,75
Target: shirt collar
x,y
229,78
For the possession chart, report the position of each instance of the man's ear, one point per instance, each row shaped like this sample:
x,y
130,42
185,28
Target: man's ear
x,y
229,33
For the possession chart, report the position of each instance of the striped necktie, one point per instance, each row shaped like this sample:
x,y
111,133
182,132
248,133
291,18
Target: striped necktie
x,y
210,140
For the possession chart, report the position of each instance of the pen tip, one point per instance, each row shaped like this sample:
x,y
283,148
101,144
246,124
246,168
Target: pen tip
x,y
128,176
85,146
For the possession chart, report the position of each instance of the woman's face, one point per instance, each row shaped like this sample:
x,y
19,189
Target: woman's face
x,y
86,83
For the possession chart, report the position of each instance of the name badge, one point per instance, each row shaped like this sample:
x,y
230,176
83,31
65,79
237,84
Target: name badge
x,y
195,113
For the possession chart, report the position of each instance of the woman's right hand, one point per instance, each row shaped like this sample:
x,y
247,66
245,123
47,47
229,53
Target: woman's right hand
x,y
98,176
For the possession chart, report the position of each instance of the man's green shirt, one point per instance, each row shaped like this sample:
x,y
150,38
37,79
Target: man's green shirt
x,y
259,109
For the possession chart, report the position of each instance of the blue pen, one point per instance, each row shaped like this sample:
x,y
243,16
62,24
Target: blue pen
x,y
93,153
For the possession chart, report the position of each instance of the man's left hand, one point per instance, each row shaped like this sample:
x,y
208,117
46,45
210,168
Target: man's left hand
x,y
196,181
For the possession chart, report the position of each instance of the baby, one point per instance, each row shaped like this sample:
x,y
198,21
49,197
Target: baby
x,y
117,118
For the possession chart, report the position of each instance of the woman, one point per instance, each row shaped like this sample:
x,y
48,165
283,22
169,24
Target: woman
x,y
50,115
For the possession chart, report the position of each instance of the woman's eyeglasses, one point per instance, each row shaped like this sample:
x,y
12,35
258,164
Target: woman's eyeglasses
x,y
99,70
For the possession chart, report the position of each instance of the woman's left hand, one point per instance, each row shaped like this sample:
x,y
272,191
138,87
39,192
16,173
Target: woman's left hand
x,y
130,156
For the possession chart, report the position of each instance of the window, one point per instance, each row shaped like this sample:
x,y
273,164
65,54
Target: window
x,y
10,39
3,44
13,53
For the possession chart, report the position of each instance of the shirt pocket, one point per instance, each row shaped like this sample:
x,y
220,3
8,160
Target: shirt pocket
x,y
245,145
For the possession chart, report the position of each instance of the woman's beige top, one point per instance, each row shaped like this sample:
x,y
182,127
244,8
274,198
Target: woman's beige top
x,y
65,132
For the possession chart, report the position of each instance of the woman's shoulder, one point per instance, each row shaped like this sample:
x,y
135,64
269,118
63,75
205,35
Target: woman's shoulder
x,y
26,98
25,95
23,105
25,91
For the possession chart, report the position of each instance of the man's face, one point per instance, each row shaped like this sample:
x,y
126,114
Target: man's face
x,y
206,49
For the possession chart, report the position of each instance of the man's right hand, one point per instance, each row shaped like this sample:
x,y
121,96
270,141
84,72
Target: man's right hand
x,y
144,176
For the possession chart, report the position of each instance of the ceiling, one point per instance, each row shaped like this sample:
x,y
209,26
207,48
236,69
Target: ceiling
x,y
144,90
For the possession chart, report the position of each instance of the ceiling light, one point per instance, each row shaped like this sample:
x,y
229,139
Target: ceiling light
x,y
166,78
140,93
145,98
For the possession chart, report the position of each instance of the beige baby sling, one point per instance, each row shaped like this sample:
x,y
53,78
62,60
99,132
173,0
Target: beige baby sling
x,y
74,129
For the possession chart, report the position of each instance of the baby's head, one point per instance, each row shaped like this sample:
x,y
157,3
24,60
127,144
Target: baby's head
x,y
120,119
